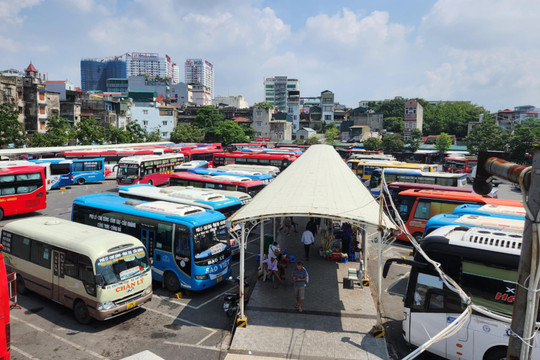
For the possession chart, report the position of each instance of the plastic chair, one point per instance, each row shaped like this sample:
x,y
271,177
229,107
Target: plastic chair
x,y
292,258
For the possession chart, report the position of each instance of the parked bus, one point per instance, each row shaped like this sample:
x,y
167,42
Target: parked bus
x,y
255,175
220,182
45,165
224,204
205,153
468,220
265,169
397,187
294,152
188,246
61,171
97,273
147,169
302,148
416,207
415,176
364,168
194,164
484,263
242,196
279,160
510,212
5,324
238,146
22,190
459,164
88,170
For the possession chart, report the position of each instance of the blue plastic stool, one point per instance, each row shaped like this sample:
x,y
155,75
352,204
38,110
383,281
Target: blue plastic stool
x,y
258,257
284,252
292,259
344,259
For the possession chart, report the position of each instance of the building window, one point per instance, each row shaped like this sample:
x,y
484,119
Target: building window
x,y
8,91
41,96
42,110
258,123
164,123
164,134
327,117
145,112
410,110
145,122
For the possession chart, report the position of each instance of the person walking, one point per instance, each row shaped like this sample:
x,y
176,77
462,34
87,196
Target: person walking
x,y
300,277
307,240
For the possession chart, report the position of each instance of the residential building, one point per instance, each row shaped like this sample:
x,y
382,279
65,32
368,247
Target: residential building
x,y
363,117
101,107
293,109
200,95
70,107
266,127
11,72
327,106
117,85
172,93
305,133
315,117
237,102
38,104
276,91
200,72
153,116
11,92
413,118
60,87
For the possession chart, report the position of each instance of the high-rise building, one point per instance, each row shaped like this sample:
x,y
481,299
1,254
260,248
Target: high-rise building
x,y
95,72
200,72
276,91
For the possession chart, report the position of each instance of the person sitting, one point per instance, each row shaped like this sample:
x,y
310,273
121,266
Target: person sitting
x,y
274,251
270,268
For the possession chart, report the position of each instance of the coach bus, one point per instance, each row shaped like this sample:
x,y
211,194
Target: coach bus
x,y
188,246
220,182
468,220
147,169
279,160
97,273
265,169
510,212
205,153
88,170
255,175
415,176
238,146
416,207
22,190
484,263
364,168
61,171
459,164
45,165
5,325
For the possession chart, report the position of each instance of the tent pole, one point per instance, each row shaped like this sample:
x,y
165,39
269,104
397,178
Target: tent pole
x,y
364,252
274,229
241,285
261,245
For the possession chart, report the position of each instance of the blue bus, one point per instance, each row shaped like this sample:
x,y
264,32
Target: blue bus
x,y
188,245
509,212
88,170
61,171
255,175
468,220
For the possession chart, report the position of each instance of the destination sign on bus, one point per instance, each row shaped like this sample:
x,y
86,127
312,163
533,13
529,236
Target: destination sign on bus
x,y
208,227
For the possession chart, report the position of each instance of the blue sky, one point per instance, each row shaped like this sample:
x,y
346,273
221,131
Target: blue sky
x,y
483,51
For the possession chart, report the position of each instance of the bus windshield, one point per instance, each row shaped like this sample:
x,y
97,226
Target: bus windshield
x,y
130,172
211,242
122,265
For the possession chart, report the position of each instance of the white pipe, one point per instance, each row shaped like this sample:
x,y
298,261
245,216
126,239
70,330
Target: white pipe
x,y
241,285
261,245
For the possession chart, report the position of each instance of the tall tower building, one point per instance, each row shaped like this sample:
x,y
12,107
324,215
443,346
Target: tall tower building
x,y
413,118
276,91
200,72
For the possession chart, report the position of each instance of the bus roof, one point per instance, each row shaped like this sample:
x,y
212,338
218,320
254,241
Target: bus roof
x,y
468,220
491,210
406,185
236,180
159,210
419,172
70,235
54,161
20,169
242,196
140,158
457,195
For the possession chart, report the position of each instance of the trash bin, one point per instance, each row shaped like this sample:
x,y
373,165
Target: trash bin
x,y
348,283
268,239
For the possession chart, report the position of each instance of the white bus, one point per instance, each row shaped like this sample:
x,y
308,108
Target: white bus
x,y
265,169
47,166
484,263
98,273
147,169
242,196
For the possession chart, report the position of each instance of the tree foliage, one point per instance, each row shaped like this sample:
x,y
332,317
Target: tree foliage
x,y
90,131
487,136
521,142
415,140
389,108
115,135
152,136
208,117
393,143
226,132
135,132
312,141
185,133
331,134
443,143
373,143
11,130
58,133
264,105
393,124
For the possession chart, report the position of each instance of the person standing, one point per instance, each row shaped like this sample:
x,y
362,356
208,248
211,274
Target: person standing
x,y
307,240
346,238
299,276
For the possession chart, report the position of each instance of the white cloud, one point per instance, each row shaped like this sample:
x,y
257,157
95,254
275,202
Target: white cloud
x,y
9,10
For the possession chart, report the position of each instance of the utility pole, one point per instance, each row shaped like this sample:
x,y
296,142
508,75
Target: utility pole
x,y
526,300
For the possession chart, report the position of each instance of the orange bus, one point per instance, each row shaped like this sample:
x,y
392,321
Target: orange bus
x,y
416,207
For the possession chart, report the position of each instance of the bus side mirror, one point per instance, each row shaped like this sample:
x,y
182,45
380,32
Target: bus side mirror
x,y
98,279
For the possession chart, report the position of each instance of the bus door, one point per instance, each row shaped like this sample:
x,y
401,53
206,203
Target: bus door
x,y
148,237
57,273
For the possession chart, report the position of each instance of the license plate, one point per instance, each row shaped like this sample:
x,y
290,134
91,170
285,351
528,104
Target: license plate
x,y
131,305
218,279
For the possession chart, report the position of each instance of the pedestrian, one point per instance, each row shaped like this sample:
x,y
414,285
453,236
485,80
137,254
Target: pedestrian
x,y
300,277
286,225
293,224
312,226
346,238
270,267
307,240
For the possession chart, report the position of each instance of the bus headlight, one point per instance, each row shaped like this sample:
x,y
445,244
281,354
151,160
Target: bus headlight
x,y
107,305
148,290
201,277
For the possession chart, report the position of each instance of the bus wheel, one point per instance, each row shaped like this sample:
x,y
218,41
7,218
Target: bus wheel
x,y
1,213
417,237
21,286
171,282
497,353
150,182
80,310
80,181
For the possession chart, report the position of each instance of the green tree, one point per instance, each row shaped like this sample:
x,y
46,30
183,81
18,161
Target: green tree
x,y
391,108
331,134
451,117
226,132
487,136
185,133
443,144
415,140
534,125
135,132
264,105
114,135
58,133
393,124
373,143
393,143
90,131
312,141
11,130
38,140
208,117
521,142
152,136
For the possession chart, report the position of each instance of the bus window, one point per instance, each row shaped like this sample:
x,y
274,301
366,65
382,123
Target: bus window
x,y
424,283
405,207
423,210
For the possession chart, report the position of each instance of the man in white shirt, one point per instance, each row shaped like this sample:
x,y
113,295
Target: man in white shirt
x,y
307,240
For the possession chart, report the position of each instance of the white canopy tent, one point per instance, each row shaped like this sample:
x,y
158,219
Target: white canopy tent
x,y
319,183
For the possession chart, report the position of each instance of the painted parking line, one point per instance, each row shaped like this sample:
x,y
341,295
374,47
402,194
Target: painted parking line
x,y
175,301
23,353
213,331
192,346
77,346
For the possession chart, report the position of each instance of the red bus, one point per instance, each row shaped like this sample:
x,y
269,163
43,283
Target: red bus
x,y
279,160
239,146
205,153
416,207
147,169
23,189
459,164
397,187
293,146
219,182
5,329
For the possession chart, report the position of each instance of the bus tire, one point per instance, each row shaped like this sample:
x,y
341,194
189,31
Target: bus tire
x,y
21,286
418,236
80,181
171,282
496,353
80,311
1,213
150,182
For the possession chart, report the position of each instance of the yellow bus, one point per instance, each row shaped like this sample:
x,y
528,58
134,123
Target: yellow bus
x,y
98,273
364,168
